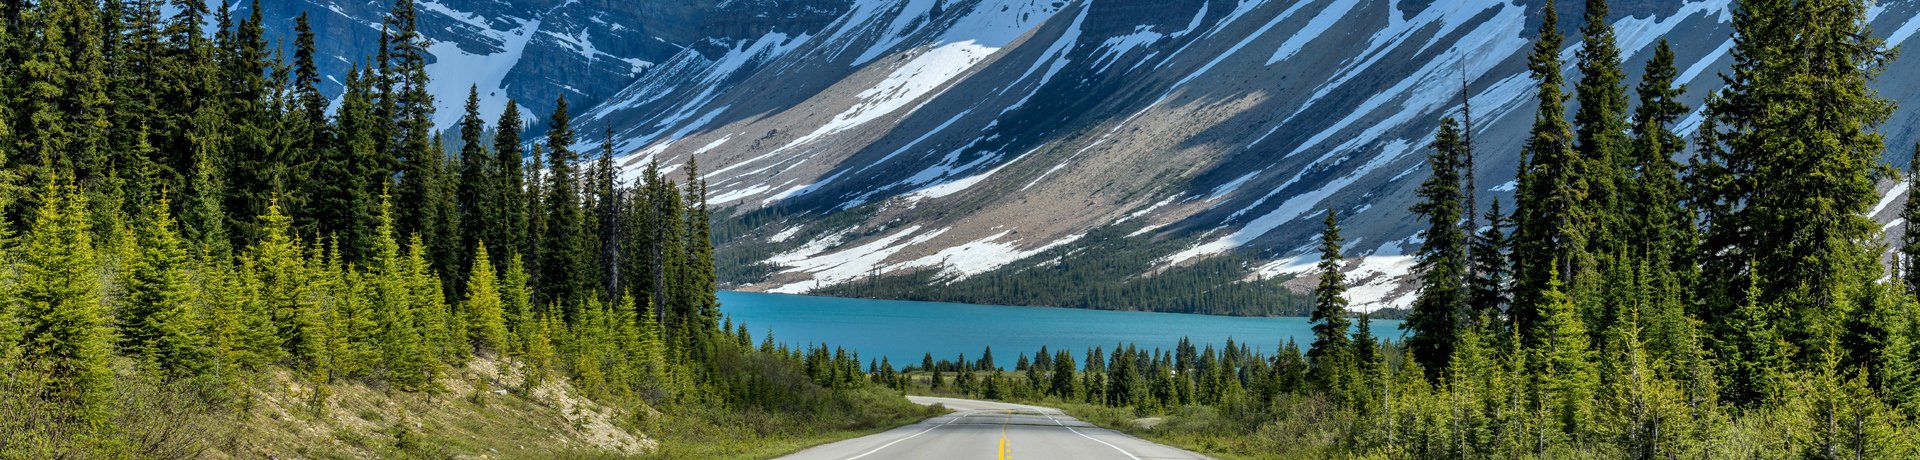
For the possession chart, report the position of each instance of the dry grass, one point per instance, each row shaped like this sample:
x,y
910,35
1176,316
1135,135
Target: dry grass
x,y
474,415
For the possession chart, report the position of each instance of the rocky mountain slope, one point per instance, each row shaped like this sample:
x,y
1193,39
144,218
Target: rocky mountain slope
x,y
859,139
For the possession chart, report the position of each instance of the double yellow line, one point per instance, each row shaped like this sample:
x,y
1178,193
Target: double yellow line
x,y
1003,434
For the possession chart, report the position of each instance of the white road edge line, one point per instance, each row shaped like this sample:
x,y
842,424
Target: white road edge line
x,y
1084,435
897,441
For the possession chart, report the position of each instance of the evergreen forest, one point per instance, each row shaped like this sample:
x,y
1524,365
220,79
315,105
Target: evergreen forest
x,y
193,232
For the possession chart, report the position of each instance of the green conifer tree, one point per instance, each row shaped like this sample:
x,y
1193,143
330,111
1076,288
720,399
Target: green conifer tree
x,y
562,263
64,103
1878,343
1563,366
346,175
286,292
1910,234
156,319
1330,352
66,340
477,200
1440,309
510,199
1601,135
1804,158
1547,236
1753,354
484,311
404,356
1487,289
516,300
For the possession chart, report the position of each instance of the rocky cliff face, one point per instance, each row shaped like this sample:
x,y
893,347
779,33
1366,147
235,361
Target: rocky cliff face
x,y
878,137
538,50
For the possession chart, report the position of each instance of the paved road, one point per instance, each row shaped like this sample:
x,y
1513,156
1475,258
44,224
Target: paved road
x,y
980,429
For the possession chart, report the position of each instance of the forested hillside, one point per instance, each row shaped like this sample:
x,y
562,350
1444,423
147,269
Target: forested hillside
x,y
1629,305
192,232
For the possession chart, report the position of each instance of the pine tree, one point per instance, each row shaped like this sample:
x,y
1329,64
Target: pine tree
x,y
1563,369
1910,234
64,101
1803,157
411,118
442,219
1655,218
1752,351
1601,136
653,352
440,336
1440,310
1487,289
698,271
609,223
1878,343
403,355
478,201
562,263
509,200
346,175
516,299
255,170
312,105
286,291
156,320
135,51
1330,352
1547,235
354,322
66,340
484,311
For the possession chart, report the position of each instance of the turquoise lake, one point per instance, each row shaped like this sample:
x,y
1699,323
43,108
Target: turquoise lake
x,y
903,331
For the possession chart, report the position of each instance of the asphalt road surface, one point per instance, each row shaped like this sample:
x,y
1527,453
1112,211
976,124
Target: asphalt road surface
x,y
993,430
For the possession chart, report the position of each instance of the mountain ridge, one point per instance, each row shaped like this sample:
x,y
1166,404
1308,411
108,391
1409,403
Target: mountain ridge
x,y
968,137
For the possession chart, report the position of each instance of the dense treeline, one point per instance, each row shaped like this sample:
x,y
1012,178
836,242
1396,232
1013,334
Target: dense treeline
x,y
184,209
1630,306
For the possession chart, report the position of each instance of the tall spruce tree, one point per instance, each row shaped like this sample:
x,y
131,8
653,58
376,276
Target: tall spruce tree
x,y
609,209
411,118
563,264
1804,158
1910,232
1547,237
346,176
1601,134
478,201
64,100
1440,309
509,231
698,272
255,170
1330,354
1487,289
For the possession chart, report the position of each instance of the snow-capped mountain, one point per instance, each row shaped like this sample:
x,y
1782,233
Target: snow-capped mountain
x,y
966,136
537,50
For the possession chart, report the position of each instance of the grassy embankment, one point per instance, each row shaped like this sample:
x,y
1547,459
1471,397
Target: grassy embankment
x,y
479,411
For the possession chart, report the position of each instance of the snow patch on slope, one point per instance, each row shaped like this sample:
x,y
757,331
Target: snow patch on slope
x,y
457,70
980,256
847,264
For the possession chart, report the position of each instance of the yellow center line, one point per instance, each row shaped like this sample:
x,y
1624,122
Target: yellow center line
x,y
1003,434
